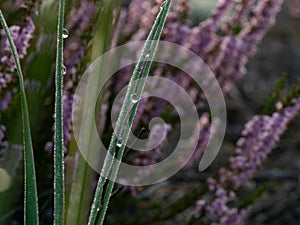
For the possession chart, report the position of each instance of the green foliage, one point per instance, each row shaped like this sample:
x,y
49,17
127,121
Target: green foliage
x,y
59,186
269,104
293,93
126,117
30,192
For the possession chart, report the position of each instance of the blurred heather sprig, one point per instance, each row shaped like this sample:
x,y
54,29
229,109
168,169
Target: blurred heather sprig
x,y
215,40
21,36
259,138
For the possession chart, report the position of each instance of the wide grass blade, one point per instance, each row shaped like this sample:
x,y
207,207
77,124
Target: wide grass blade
x,y
30,195
59,189
126,117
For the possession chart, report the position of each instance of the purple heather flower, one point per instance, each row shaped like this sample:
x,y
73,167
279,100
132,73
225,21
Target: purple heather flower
x,y
218,14
259,138
243,9
205,130
233,216
225,52
81,18
21,37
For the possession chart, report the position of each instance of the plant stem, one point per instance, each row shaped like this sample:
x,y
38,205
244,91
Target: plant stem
x,y
141,72
30,195
59,190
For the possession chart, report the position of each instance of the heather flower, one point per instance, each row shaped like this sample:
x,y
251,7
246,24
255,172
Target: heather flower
x,y
81,18
214,40
204,134
259,138
218,14
21,37
235,50
243,11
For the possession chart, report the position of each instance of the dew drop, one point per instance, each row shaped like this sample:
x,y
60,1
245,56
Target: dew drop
x,y
162,5
64,70
119,143
134,98
65,33
147,56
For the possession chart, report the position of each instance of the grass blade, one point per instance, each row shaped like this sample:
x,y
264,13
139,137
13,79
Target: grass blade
x,y
30,195
59,189
141,71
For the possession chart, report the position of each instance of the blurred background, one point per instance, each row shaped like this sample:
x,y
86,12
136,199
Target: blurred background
x,y
277,184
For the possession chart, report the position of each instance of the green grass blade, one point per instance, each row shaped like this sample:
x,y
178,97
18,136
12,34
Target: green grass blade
x,y
139,91
59,189
141,71
30,195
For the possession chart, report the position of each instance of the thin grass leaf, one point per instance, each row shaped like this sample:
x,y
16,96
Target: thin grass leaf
x,y
30,195
59,189
126,117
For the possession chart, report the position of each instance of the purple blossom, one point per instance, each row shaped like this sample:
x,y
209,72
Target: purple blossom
x,y
243,9
259,138
225,52
81,18
21,37
205,131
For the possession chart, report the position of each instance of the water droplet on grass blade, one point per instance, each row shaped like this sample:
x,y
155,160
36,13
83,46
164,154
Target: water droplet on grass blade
x,y
119,143
162,5
64,70
65,33
134,98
